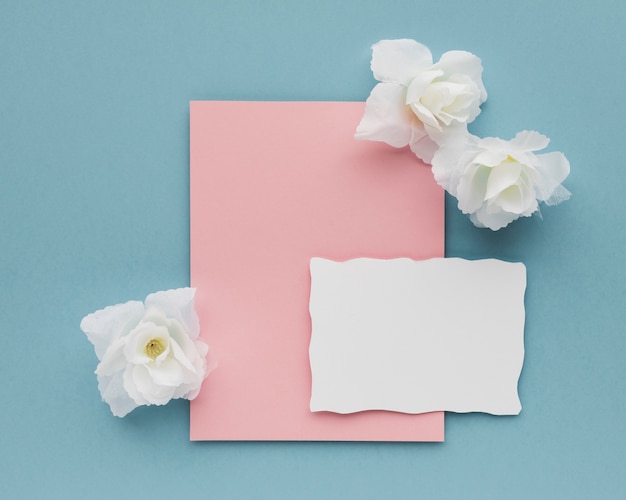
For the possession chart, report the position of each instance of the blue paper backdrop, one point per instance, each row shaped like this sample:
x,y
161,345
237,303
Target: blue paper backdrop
x,y
94,210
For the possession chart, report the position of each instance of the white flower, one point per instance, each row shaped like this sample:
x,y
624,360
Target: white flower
x,y
149,352
497,181
417,102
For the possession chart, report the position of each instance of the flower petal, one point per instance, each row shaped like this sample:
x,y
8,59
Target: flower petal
x,y
444,163
105,326
113,393
131,387
553,169
471,189
423,103
182,357
501,177
203,351
168,373
454,156
529,140
559,195
491,158
466,63
113,359
138,380
177,304
386,116
493,220
398,61
516,200
420,84
184,348
421,143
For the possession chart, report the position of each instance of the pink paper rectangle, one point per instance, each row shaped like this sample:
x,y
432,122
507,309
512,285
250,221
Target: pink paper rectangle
x,y
274,184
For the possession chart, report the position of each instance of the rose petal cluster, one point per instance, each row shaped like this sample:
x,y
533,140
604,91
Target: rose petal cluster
x,y
418,102
149,351
498,181
427,106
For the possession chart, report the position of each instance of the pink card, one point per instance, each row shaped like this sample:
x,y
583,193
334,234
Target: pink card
x,y
274,184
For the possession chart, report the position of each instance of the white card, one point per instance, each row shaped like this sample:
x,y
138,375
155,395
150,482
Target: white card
x,y
416,336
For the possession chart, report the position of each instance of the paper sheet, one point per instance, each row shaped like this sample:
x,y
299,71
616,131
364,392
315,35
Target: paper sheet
x,y
414,337
273,185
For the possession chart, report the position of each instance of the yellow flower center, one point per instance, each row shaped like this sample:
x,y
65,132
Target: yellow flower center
x,y
154,348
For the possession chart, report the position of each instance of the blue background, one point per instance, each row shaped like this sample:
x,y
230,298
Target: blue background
x,y
94,161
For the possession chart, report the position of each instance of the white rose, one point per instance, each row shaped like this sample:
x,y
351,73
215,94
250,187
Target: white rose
x,y
149,352
497,181
417,102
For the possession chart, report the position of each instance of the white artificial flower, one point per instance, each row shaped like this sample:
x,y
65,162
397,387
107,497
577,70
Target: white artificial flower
x,y
149,352
497,181
417,102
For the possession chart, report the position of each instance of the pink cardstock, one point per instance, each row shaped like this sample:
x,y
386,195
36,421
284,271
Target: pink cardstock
x,y
274,184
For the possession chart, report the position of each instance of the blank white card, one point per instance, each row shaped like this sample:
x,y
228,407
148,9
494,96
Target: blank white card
x,y
416,336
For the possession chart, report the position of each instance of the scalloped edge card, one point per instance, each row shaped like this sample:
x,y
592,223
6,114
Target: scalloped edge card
x,y
414,337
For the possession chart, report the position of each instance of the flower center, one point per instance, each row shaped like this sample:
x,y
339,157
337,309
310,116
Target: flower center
x,y
154,348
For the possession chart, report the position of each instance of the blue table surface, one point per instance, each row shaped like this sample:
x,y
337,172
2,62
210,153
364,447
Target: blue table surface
x,y
94,160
